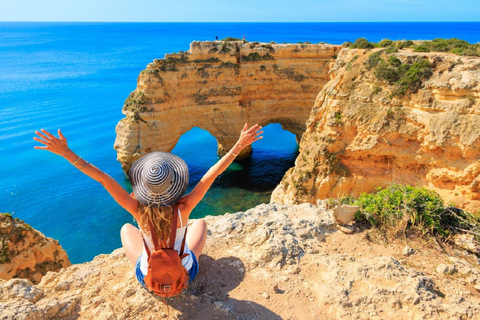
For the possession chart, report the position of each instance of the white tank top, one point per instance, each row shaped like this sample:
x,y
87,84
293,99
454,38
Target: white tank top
x,y
187,262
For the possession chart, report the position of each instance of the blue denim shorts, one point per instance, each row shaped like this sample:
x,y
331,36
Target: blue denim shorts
x,y
192,273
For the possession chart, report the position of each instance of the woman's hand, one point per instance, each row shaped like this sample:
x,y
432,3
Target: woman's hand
x,y
248,136
53,144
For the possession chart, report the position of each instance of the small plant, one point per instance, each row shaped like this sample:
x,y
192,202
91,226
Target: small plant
x,y
374,59
385,43
405,44
362,43
230,39
421,48
338,118
376,90
394,61
398,208
471,100
255,56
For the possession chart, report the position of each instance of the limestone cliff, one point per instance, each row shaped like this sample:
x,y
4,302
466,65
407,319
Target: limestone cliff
x,y
271,262
27,253
403,117
218,86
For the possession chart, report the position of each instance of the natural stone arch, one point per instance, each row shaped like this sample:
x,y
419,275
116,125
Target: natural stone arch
x,y
210,87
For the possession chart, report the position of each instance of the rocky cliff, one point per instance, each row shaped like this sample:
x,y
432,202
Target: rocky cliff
x,y
218,86
271,262
401,117
27,253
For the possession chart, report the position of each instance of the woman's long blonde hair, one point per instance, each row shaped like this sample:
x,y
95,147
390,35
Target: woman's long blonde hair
x,y
160,217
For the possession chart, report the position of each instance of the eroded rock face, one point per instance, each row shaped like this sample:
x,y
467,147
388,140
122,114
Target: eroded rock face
x,y
27,253
270,262
218,86
361,136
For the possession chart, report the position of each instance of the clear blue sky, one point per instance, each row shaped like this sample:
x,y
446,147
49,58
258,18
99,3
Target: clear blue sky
x,y
240,10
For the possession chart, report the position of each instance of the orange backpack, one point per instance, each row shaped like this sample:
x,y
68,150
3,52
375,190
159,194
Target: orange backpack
x,y
166,276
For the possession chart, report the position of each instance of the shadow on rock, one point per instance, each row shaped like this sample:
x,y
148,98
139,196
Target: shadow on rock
x,y
208,296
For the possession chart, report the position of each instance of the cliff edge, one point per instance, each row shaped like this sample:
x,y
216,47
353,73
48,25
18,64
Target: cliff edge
x,y
26,252
392,117
270,262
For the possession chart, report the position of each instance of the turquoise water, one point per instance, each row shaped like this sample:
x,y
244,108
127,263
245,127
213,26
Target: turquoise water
x,y
76,76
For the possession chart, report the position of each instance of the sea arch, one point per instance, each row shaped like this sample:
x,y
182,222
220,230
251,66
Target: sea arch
x,y
220,86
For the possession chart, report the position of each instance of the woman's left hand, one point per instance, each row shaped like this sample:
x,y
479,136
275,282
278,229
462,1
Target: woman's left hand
x,y
53,144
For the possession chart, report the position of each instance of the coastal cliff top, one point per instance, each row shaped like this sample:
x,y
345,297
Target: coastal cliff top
x,y
270,262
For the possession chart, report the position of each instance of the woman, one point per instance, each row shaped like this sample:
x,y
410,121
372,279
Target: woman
x,y
159,180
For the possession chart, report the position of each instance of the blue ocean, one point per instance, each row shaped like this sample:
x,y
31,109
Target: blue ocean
x,y
76,76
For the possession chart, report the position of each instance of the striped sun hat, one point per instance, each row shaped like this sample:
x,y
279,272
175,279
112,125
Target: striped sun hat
x,y
159,179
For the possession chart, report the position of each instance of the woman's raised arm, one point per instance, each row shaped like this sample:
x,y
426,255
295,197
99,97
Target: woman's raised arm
x,y
60,147
247,137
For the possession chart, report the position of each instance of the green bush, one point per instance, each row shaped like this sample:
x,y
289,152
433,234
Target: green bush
x,y
421,48
391,50
255,56
398,208
406,77
394,61
405,44
362,43
374,59
231,39
389,74
385,43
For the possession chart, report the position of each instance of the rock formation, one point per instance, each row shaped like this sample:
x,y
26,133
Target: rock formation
x,y
218,86
271,262
27,253
369,128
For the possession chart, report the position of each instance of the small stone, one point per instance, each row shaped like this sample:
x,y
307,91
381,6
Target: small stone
x,y
345,229
62,286
477,287
407,251
343,214
276,289
467,242
266,295
446,269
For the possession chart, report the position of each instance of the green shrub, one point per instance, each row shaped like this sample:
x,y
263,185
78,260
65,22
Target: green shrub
x,y
394,61
421,48
230,39
374,59
438,45
387,73
406,77
255,56
398,208
405,44
362,43
385,43
391,50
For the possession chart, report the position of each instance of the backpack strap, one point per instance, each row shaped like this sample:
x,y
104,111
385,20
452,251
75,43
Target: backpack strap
x,y
183,244
173,226
173,234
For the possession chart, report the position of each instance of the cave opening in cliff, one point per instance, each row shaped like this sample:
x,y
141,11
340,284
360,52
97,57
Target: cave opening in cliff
x,y
246,183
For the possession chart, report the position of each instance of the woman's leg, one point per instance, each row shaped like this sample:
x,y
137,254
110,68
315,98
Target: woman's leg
x,y
196,236
132,242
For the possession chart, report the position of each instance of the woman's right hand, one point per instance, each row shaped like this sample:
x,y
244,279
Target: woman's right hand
x,y
248,136
53,144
